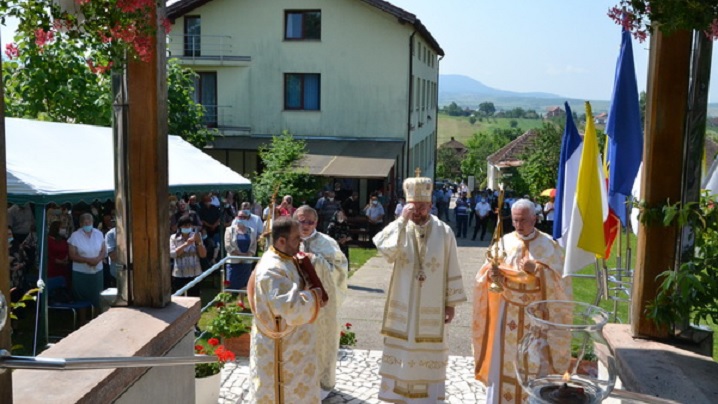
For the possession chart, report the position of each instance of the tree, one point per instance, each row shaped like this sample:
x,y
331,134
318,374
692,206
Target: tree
x,y
281,171
514,123
472,120
487,108
448,163
540,168
56,83
479,147
453,109
642,107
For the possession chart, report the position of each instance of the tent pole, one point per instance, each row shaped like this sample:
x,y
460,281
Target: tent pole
x,y
41,327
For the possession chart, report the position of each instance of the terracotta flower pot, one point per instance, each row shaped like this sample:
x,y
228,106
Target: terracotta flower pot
x,y
239,345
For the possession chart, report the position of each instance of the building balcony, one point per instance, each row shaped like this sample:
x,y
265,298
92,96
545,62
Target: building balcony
x,y
224,118
205,50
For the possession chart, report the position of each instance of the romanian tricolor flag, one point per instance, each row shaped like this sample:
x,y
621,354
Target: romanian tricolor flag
x,y
586,239
612,225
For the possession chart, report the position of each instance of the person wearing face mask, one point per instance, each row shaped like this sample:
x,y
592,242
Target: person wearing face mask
x,y
58,253
375,215
186,248
481,211
425,287
87,250
326,213
240,240
338,229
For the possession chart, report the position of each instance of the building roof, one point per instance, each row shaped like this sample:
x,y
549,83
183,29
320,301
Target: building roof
x,y
454,144
510,155
178,8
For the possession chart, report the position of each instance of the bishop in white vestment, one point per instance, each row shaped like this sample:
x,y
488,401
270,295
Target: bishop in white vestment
x,y
425,286
282,362
332,268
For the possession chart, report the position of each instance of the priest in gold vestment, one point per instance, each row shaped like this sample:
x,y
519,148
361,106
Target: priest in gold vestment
x,y
425,286
282,362
532,270
332,268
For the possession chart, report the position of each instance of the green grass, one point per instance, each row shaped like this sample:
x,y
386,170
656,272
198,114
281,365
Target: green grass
x,y
584,290
358,257
462,130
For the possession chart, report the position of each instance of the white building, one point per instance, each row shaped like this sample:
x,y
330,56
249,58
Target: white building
x,y
356,78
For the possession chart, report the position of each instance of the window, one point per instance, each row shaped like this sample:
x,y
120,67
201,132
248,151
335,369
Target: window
x,y
302,25
205,93
192,35
302,91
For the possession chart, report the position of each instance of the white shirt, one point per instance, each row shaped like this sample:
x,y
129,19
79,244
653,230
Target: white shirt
x,y
87,247
482,208
399,208
549,215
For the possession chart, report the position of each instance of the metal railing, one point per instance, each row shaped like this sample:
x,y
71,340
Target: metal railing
x,y
202,47
220,116
8,361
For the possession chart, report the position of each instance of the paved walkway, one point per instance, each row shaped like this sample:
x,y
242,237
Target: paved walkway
x,y
357,369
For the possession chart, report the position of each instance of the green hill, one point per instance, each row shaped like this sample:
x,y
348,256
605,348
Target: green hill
x,y
461,129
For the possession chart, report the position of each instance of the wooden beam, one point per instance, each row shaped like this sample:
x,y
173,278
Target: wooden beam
x,y
5,340
147,182
668,77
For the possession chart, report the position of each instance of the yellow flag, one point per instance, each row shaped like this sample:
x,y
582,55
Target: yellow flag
x,y
588,192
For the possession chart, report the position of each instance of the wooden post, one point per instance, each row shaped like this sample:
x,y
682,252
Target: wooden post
x,y
668,76
147,176
5,342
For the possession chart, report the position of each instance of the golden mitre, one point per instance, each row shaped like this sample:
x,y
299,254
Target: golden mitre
x,y
418,189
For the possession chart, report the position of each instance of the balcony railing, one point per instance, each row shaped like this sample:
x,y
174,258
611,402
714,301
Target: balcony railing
x,y
203,47
221,117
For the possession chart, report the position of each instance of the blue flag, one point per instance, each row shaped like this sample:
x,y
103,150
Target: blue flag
x,y
625,147
571,147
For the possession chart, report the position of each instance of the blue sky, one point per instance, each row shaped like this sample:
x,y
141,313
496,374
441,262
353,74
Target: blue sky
x,y
565,47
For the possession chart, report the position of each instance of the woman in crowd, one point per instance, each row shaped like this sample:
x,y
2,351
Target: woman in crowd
x,y
338,229
58,253
186,248
87,250
240,240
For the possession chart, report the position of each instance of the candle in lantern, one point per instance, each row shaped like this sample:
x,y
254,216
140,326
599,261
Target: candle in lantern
x,y
565,392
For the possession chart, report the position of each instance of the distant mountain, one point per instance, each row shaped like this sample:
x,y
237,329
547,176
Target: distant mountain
x,y
458,84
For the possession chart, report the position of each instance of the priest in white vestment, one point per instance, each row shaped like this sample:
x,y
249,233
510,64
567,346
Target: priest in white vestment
x,y
425,286
531,271
282,363
332,268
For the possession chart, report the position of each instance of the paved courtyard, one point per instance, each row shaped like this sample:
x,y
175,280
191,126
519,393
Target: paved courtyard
x,y
358,369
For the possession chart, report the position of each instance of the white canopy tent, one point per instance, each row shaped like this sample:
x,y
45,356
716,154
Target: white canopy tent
x,y
61,162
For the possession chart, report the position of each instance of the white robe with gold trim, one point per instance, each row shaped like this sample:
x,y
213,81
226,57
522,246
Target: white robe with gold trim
x,y
283,370
499,319
332,268
413,366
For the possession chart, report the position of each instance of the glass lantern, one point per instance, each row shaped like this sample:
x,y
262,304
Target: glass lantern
x,y
563,358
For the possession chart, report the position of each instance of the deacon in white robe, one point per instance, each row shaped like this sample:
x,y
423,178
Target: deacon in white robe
x,y
425,286
531,271
282,362
332,268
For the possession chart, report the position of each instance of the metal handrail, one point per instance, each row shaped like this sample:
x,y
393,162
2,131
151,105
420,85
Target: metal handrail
x,y
38,363
210,271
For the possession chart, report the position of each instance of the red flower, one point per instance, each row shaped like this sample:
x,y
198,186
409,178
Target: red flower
x,y
213,341
240,304
199,349
348,325
42,37
226,283
166,25
224,354
219,305
11,51
341,334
